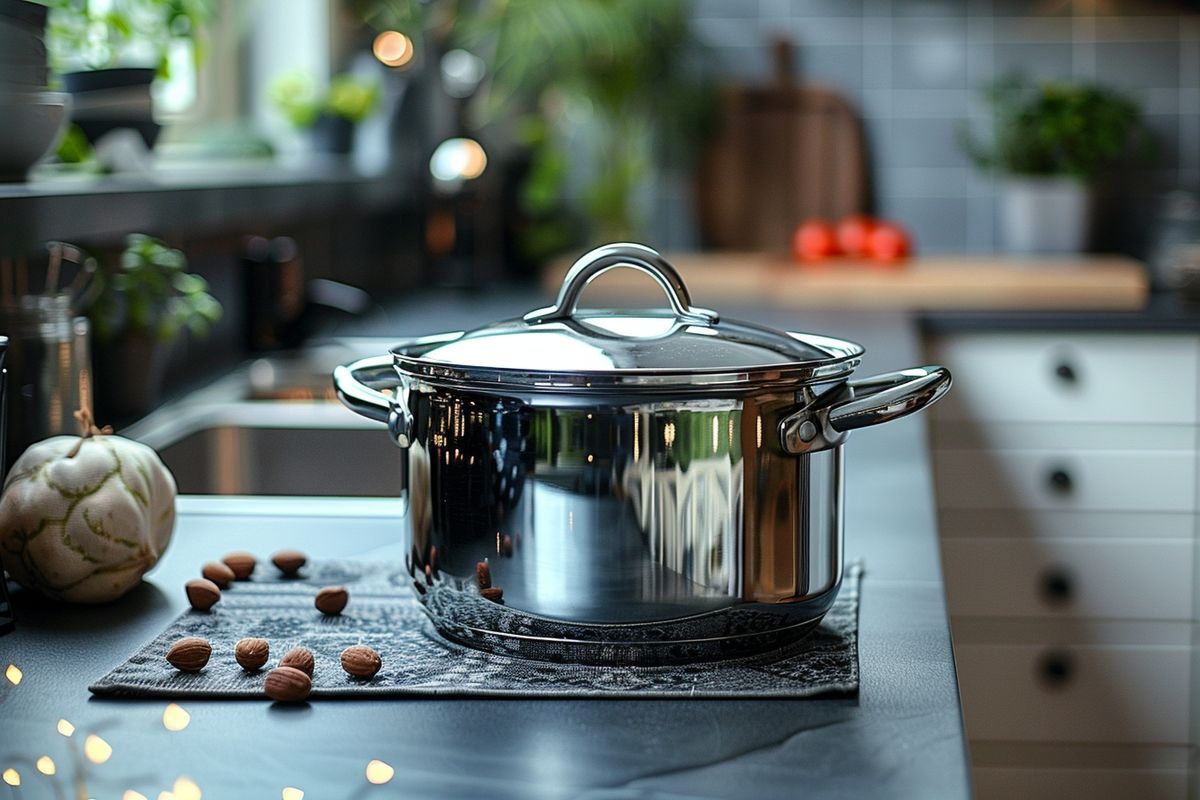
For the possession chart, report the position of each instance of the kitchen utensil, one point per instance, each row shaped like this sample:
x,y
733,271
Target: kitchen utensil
x,y
49,368
629,486
7,617
784,152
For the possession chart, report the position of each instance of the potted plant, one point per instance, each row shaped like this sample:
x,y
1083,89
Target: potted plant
x,y
140,311
332,115
1050,142
109,53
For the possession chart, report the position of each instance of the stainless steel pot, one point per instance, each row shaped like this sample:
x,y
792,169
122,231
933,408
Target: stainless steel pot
x,y
626,486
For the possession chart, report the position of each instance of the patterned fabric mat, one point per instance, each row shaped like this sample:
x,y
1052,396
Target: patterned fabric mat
x,y
383,613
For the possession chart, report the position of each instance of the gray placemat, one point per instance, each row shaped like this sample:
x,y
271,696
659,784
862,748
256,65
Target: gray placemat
x,y
417,662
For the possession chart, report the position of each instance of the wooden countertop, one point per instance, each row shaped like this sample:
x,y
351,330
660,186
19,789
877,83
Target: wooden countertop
x,y
963,282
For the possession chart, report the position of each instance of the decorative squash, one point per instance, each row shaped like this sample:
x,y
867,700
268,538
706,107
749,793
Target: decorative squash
x,y
83,518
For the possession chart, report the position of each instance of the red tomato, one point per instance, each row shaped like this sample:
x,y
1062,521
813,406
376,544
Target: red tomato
x,y
852,234
814,240
888,242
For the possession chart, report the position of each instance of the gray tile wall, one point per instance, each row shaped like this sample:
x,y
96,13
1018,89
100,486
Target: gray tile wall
x,y
914,67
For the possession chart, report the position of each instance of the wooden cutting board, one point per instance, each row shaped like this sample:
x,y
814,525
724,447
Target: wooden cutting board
x,y
783,152
927,283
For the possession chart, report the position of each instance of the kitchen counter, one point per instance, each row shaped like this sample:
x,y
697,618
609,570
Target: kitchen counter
x,y
902,737
1162,311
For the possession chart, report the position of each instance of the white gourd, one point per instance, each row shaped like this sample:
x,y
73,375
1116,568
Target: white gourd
x,y
85,526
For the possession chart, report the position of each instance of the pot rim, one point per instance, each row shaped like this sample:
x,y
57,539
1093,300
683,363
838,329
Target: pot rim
x,y
408,358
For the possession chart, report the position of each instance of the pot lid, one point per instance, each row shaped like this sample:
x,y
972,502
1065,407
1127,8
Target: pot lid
x,y
559,347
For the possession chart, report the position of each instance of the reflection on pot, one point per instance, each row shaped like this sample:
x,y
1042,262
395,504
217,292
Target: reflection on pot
x,y
621,514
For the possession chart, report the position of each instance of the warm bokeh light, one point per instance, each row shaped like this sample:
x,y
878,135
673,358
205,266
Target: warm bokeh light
x,y
45,765
165,795
292,793
393,48
65,728
12,777
186,789
96,749
458,159
130,794
379,772
14,674
175,718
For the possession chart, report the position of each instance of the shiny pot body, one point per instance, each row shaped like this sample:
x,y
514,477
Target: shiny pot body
x,y
626,486
655,530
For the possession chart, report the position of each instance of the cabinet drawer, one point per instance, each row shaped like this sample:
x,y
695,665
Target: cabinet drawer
x,y
1043,479
1006,783
1087,693
1030,523
1054,377
1107,579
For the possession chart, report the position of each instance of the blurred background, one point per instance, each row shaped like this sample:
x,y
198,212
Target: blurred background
x,y
206,205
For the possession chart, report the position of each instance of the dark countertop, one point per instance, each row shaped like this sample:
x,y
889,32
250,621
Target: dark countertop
x,y
902,737
1164,311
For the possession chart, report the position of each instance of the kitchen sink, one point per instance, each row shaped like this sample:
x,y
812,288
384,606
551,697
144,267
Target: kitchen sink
x,y
275,427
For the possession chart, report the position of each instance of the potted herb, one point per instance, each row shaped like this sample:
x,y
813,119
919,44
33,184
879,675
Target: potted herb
x,y
331,115
1049,144
109,53
142,308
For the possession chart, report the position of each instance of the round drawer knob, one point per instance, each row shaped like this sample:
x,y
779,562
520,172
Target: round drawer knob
x,y
1065,372
1056,668
1060,480
1056,586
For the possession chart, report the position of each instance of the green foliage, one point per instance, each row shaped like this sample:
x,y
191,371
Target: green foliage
x,y
99,33
601,92
152,294
349,97
74,148
1055,128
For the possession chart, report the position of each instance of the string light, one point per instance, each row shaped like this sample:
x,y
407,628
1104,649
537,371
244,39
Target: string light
x,y
379,772
96,749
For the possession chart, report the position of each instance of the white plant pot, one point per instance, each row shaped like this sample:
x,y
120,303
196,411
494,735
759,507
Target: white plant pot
x,y
1044,215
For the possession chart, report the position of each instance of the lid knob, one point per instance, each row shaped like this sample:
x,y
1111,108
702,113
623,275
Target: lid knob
x,y
635,256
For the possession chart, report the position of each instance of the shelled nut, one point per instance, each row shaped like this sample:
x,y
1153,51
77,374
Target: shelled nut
x,y
218,573
252,653
361,661
202,593
289,562
483,574
300,658
331,600
189,654
242,564
493,593
287,685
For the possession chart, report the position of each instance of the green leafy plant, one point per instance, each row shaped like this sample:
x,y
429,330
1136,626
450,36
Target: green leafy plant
x,y
600,93
1055,128
95,35
152,295
348,97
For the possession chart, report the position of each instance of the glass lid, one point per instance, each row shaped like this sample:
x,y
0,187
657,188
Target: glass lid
x,y
685,346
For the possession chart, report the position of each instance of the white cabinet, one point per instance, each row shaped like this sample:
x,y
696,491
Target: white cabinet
x,y
1067,482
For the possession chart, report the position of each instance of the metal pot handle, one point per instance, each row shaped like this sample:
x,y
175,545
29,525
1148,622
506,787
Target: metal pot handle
x,y
356,387
635,256
826,419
